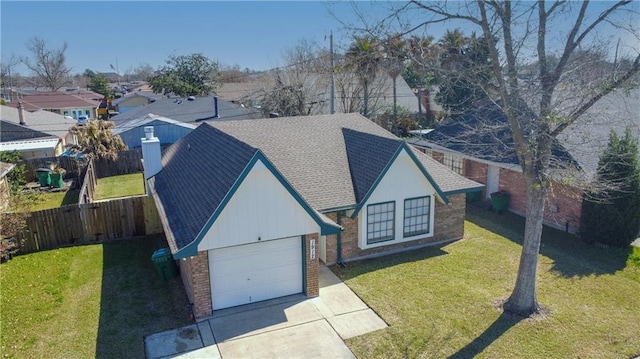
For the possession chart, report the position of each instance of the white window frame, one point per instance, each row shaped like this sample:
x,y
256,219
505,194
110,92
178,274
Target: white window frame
x,y
415,215
377,222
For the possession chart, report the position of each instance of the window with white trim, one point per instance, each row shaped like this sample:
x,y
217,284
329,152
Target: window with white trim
x,y
381,222
452,162
417,214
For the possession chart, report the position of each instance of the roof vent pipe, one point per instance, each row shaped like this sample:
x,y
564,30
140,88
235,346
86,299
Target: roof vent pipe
x,y
215,107
21,113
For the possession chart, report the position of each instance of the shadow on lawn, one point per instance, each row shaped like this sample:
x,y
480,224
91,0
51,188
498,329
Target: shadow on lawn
x,y
571,256
356,268
135,302
490,335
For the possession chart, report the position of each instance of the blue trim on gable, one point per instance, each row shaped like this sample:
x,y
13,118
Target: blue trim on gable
x,y
191,249
403,146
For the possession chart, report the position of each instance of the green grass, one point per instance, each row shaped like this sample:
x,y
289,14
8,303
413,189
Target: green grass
x,y
93,301
120,186
442,302
47,200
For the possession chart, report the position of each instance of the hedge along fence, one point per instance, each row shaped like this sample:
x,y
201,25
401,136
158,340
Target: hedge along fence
x,y
89,223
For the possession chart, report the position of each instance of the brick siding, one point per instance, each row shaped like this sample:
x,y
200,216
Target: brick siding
x,y
562,209
312,280
449,226
563,206
195,276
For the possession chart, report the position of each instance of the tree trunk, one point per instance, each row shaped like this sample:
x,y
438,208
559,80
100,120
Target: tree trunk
x,y
523,300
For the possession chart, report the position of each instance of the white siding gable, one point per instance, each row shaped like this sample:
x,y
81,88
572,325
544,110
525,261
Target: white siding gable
x,y
260,208
402,181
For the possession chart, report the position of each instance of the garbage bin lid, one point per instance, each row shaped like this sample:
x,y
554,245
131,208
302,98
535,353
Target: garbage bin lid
x,y
162,252
43,169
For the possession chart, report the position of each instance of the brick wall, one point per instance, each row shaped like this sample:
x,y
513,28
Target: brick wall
x,y
476,171
195,276
449,225
313,286
562,208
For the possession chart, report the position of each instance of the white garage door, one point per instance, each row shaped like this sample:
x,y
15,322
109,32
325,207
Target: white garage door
x,y
255,272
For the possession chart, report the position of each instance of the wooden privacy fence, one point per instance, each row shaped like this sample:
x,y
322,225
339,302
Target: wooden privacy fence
x,y
89,184
127,162
90,223
70,164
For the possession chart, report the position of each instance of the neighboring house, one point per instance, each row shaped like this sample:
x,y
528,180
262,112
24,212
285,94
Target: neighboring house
x,y
73,105
30,143
166,129
135,99
43,121
488,156
249,208
192,109
5,168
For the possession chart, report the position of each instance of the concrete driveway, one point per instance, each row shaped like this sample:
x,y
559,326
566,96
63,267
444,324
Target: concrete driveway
x,y
288,327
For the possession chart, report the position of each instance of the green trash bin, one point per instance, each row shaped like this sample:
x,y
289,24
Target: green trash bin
x,y
500,201
57,180
165,265
44,176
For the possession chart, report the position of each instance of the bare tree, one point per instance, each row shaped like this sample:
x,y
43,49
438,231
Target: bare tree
x,y
48,65
7,74
299,87
551,101
143,72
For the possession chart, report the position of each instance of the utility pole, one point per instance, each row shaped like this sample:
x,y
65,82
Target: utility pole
x,y
333,86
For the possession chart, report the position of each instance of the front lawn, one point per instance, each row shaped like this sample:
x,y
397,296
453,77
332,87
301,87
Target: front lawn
x,y
92,301
441,302
120,186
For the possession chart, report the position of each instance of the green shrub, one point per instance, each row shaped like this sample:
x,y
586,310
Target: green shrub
x,y
611,215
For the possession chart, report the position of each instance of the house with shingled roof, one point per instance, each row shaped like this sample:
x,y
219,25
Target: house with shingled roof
x,y
43,121
73,105
479,146
190,110
251,208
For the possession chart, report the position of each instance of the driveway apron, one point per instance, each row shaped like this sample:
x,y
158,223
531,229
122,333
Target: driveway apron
x,y
288,327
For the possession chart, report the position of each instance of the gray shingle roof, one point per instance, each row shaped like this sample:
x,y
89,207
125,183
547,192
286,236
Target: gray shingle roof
x,y
483,133
184,110
332,161
43,121
197,173
311,152
12,132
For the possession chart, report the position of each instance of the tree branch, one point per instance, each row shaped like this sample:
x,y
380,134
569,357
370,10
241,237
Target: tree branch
x,y
605,91
518,136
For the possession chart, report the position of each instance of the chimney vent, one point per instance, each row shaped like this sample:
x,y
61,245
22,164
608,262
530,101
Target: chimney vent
x,y
148,132
21,113
215,107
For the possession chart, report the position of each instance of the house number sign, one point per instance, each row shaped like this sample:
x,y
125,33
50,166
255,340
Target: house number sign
x,y
312,249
